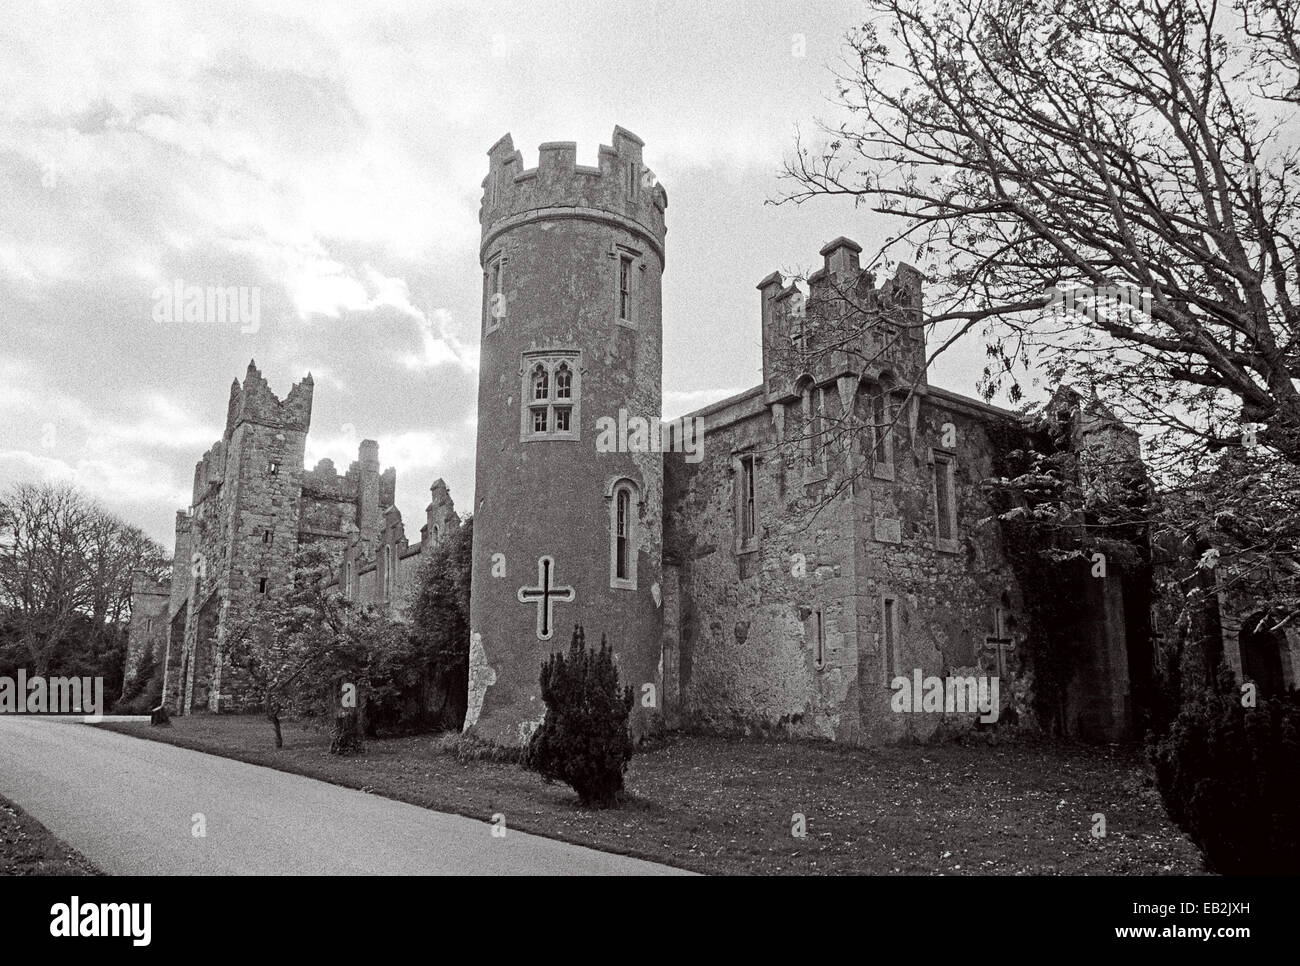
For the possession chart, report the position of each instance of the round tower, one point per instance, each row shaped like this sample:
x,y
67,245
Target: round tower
x,y
568,521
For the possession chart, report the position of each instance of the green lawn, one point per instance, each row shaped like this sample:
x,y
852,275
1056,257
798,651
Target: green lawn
x,y
726,806
28,848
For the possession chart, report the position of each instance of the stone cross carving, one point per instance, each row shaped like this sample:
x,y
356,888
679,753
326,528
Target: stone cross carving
x,y
544,595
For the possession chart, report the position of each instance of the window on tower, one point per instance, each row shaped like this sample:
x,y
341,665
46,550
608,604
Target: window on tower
x,y
622,535
494,298
625,288
551,396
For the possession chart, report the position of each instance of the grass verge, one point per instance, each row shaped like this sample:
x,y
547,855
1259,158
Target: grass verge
x,y
28,848
726,806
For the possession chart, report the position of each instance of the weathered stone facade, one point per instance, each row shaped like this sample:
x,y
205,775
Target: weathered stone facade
x,y
871,553
572,258
834,536
254,505
148,629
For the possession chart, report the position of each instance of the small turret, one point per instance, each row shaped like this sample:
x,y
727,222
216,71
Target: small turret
x,y
440,516
844,326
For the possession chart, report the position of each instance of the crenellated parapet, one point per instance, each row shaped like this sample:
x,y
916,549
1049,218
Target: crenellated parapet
x,y
144,583
254,402
620,189
844,325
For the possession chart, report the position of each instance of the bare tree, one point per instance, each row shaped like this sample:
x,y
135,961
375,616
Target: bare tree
x,y
63,562
1102,186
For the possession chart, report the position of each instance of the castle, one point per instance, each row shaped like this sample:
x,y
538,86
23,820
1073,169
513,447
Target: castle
x,y
254,506
826,539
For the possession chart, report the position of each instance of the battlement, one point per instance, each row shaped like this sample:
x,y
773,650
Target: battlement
x,y
874,329
254,402
143,583
619,187
325,481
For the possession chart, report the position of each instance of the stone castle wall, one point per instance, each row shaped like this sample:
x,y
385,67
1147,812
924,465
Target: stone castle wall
x,y
254,506
563,239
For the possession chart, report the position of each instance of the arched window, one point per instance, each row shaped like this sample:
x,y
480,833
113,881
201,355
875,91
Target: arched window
x,y
541,382
563,382
622,535
622,512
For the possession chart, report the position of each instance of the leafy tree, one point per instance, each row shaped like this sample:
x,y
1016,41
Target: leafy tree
x,y
1226,774
307,651
584,740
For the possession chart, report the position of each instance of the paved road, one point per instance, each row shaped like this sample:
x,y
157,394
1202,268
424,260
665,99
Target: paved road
x,y
128,806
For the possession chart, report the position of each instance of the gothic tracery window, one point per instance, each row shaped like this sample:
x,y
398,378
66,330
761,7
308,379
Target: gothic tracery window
x,y
551,396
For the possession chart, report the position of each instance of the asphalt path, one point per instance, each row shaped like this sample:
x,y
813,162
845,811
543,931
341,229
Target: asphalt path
x,y
132,807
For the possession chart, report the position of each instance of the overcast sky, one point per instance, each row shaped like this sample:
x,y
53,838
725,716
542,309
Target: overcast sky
x,y
331,155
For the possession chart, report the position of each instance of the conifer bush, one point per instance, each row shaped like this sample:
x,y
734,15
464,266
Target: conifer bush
x,y
585,740
1227,777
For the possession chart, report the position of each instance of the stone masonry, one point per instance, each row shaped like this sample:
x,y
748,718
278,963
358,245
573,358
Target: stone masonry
x,y
832,536
254,506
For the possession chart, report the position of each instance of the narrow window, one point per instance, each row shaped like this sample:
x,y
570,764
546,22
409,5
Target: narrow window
x,y
563,382
562,419
889,637
539,419
824,431
944,504
266,536
625,288
820,653
882,448
748,518
541,383
1001,640
261,586
620,536
273,468
494,294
